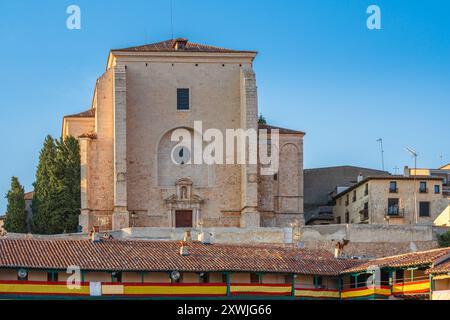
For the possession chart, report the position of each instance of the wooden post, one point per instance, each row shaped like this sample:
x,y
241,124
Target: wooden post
x,y
228,284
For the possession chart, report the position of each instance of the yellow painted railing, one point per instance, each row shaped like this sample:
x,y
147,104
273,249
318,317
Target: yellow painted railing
x,y
309,293
411,288
243,289
366,292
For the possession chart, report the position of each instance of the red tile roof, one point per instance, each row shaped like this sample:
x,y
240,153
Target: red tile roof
x,y
404,260
134,255
281,130
85,114
169,46
440,268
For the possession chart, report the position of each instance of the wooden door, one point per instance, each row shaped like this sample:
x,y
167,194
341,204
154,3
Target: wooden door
x,y
183,219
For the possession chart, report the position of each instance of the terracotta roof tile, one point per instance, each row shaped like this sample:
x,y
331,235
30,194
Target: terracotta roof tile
x,y
403,260
85,114
168,46
281,130
441,268
134,255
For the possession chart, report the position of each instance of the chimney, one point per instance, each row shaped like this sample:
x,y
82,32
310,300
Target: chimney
x,y
204,237
360,178
406,172
180,44
187,236
184,249
94,234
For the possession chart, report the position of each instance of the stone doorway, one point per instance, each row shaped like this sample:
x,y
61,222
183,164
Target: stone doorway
x,y
183,219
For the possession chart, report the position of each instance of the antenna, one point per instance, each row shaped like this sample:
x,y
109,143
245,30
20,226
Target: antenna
x,y
442,158
171,17
380,140
396,169
414,154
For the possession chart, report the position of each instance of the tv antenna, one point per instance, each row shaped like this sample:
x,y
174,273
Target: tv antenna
x,y
414,154
380,140
171,17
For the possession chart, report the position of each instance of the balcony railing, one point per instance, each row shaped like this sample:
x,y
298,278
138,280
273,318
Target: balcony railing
x,y
395,212
364,214
423,190
393,190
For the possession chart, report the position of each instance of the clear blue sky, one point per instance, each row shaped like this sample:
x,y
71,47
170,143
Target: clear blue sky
x,y
319,70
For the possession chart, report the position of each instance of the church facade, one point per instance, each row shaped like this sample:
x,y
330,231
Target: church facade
x,y
128,176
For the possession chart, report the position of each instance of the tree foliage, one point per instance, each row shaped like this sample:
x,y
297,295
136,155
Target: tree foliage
x,y
444,240
262,120
16,215
56,203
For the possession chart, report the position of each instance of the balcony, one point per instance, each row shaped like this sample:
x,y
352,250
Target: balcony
x,y
395,212
423,190
364,214
393,190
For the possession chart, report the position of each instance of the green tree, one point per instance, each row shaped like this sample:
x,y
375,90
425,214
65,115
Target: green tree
x,y
444,240
44,188
16,215
56,204
262,120
67,171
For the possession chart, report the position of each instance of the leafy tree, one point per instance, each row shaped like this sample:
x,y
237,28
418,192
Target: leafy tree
x,y
16,215
56,205
262,120
444,240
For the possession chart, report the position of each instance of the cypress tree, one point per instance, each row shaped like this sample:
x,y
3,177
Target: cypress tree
x,y
68,178
44,189
56,204
16,215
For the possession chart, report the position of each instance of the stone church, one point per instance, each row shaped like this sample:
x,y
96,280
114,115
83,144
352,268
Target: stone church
x,y
147,92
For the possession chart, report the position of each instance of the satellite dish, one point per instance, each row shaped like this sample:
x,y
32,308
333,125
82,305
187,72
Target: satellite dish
x,y
22,273
175,275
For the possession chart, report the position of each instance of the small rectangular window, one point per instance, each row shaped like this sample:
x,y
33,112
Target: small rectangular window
x,y
437,189
338,220
52,276
183,99
423,187
254,278
424,209
116,277
393,187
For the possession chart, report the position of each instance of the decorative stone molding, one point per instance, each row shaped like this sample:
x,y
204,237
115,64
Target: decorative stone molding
x,y
184,199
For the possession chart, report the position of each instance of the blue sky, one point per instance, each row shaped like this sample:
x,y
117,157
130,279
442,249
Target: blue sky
x,y
319,70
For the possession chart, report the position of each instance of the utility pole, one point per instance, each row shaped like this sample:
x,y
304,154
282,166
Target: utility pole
x,y
414,155
380,140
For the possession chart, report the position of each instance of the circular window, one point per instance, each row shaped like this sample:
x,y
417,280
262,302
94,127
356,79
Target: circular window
x,y
181,155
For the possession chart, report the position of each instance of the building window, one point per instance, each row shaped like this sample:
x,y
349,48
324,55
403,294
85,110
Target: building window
x,y
393,187
224,278
338,220
365,212
204,278
424,209
183,99
354,196
116,277
254,278
437,189
423,187
393,207
52,276
347,200
347,217
366,190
